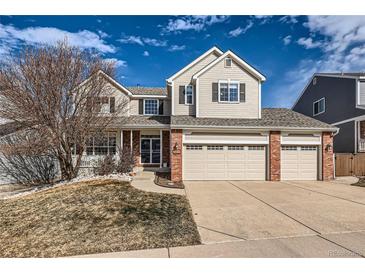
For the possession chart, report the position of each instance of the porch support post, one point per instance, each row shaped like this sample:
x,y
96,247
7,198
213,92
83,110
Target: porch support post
x,y
121,139
131,141
161,136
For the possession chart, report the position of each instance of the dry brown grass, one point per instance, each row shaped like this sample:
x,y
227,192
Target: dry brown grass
x,y
93,217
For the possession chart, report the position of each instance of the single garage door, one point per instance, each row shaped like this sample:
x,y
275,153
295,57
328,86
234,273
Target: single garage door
x,y
299,162
224,162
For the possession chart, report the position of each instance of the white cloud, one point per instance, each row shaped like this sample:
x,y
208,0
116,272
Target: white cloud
x,y
176,48
12,37
146,53
238,31
263,18
196,23
289,19
143,41
341,41
309,43
98,20
118,63
287,40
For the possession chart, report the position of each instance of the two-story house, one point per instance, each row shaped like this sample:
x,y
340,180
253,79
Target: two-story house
x,y
337,99
208,124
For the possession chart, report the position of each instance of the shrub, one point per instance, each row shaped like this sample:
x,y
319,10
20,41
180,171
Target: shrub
x,y
105,166
126,161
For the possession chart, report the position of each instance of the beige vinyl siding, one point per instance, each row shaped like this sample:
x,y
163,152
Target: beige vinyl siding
x,y
297,139
120,98
134,106
185,79
248,109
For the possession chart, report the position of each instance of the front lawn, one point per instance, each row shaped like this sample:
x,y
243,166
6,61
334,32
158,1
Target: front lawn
x,y
93,217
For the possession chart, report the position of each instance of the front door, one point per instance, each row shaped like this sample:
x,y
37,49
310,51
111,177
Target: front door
x,y
150,150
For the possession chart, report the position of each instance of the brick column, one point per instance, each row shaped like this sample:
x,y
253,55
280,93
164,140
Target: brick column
x,y
126,140
166,147
136,141
274,155
176,155
327,156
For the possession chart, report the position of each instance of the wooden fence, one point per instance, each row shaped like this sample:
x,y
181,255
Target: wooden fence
x,y
348,164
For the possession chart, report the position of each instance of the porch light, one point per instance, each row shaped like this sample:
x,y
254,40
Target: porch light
x,y
176,147
328,147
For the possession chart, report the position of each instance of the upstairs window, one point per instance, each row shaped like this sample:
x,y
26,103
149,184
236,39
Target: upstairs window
x,y
151,107
102,104
228,91
188,95
228,62
319,106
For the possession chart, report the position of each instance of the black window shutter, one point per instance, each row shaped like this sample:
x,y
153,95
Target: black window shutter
x,y
112,104
160,107
214,92
140,106
181,94
242,93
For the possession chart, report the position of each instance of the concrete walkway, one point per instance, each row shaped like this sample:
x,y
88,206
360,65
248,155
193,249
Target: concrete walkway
x,y
338,246
144,180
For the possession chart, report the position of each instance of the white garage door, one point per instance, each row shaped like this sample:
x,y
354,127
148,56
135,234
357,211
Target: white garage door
x,y
224,162
299,163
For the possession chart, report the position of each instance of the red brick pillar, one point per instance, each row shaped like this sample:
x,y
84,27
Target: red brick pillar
x,y
327,156
166,147
126,140
274,155
176,155
136,141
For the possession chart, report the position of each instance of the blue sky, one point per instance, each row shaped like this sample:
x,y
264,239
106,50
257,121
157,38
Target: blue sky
x,y
149,49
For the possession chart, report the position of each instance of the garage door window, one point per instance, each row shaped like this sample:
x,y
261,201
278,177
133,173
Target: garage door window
x,y
255,148
236,148
194,147
289,148
308,148
215,147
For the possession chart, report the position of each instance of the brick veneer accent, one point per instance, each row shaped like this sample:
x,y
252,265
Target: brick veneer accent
x,y
166,147
176,155
126,139
274,155
136,141
327,156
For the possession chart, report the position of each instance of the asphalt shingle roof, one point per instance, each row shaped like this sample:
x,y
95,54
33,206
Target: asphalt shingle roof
x,y
148,90
271,117
141,121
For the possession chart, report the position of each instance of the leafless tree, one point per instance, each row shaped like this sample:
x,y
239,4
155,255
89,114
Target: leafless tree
x,y
58,92
22,159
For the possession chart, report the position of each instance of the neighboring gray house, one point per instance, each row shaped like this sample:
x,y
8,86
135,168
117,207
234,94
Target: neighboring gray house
x,y
337,99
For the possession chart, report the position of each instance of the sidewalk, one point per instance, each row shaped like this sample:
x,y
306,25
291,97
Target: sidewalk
x,y
293,247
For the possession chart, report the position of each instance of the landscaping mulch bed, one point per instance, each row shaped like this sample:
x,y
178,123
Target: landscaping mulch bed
x,y
93,217
164,179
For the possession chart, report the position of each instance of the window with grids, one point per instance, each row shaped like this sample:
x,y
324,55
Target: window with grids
x,y
310,148
255,148
105,144
189,95
194,147
228,91
151,107
289,148
215,147
101,104
236,148
228,62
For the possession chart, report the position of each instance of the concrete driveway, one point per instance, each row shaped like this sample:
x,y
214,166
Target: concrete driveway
x,y
305,219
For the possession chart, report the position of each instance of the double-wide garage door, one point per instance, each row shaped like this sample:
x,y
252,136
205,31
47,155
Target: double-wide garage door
x,y
224,162
299,163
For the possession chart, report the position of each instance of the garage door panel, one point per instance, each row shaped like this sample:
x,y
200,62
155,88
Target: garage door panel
x,y
299,163
225,163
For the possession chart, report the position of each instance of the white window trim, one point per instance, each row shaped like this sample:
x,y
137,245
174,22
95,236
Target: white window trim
x,y
229,82
324,104
192,100
225,64
144,107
